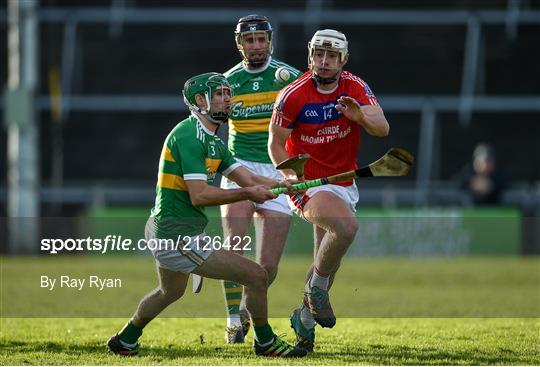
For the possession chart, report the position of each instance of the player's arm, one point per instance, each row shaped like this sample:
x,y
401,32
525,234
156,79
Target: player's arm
x,y
244,177
370,117
202,194
276,148
190,153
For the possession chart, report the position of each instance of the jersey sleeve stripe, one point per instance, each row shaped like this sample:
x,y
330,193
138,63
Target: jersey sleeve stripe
x,y
294,86
233,70
355,79
231,168
195,176
167,155
232,73
293,70
363,84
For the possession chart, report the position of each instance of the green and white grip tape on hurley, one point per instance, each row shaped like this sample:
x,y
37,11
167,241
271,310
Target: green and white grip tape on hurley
x,y
302,186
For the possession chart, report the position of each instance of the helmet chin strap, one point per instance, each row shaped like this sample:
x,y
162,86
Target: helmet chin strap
x,y
325,81
216,118
256,64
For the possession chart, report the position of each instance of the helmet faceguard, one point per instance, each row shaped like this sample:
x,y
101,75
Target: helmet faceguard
x,y
328,40
206,85
249,26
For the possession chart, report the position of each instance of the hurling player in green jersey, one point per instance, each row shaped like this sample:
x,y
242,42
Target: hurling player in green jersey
x,y
255,88
191,156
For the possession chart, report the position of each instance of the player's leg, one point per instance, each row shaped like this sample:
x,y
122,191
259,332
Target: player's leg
x,y
236,219
328,212
271,228
229,265
318,235
302,321
172,285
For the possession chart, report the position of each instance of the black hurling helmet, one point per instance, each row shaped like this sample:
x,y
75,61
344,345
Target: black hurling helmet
x,y
250,24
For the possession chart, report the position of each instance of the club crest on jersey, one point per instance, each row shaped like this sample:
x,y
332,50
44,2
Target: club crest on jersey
x,y
368,91
210,175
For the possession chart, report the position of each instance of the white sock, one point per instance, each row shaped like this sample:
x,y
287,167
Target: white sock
x,y
233,320
306,317
319,281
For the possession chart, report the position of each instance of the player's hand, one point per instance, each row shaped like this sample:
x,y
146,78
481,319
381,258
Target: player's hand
x,y
286,183
350,108
291,176
259,194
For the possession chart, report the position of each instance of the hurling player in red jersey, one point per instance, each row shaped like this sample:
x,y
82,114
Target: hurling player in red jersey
x,y
322,114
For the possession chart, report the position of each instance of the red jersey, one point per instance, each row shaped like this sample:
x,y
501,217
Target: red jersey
x,y
318,128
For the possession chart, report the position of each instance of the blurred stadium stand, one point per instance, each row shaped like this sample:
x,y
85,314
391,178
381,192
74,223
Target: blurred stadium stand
x,y
449,74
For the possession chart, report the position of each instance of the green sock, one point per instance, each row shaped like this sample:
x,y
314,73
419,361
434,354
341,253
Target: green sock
x,y
130,333
263,334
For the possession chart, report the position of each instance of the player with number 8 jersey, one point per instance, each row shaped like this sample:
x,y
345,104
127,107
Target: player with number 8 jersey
x,y
251,108
256,81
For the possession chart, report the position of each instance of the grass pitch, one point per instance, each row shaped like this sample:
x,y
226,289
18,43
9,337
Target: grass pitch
x,y
352,341
468,311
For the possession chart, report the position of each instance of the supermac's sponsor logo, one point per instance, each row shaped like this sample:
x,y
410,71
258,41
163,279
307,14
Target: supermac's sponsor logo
x,y
258,110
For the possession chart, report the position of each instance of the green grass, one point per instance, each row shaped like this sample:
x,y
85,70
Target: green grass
x,y
352,341
450,311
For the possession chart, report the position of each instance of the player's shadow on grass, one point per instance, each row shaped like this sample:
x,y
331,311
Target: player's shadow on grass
x,y
376,354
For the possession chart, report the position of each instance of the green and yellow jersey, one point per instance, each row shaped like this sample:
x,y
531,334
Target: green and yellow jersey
x,y
190,152
251,108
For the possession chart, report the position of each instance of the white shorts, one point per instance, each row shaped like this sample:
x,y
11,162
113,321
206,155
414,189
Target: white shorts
x,y
349,194
267,170
181,256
